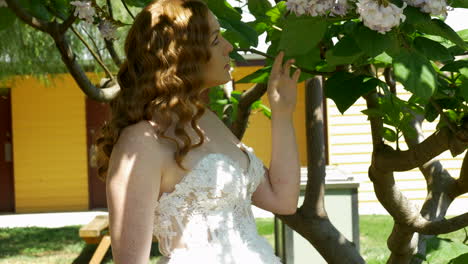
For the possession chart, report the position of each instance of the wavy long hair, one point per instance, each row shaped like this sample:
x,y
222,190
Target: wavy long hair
x,y
165,48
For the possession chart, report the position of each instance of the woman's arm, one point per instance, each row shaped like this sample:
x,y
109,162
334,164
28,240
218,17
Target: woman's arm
x,y
279,192
132,189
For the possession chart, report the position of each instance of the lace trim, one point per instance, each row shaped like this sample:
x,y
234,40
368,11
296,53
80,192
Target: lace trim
x,y
210,202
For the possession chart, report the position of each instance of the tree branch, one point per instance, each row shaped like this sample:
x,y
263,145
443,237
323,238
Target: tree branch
x,y
66,24
95,56
110,43
404,212
243,111
24,16
389,160
462,181
78,74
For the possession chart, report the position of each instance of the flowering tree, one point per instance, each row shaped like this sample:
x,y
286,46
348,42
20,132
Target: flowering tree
x,y
346,50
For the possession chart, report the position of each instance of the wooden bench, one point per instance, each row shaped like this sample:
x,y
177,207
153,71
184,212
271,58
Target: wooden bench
x,y
97,232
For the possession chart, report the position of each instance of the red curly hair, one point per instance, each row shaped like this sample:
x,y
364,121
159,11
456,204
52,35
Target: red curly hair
x,y
165,48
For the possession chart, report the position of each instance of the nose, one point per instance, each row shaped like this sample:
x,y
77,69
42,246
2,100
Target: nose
x,y
229,47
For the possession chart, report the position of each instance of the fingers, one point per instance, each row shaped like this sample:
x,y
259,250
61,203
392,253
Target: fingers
x,y
287,66
296,75
277,64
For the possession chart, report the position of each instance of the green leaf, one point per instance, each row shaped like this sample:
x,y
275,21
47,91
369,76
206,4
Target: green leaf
x,y
389,134
439,28
259,25
372,42
345,88
266,111
236,56
345,51
463,34
238,32
309,60
276,12
415,17
431,113
416,73
460,66
258,8
138,3
460,4
300,35
7,18
383,58
432,49
222,9
464,89
259,76
440,248
462,259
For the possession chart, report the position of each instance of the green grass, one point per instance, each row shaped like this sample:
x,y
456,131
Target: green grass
x,y
63,245
374,231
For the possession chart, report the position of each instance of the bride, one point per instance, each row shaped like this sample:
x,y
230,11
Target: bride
x,y
172,168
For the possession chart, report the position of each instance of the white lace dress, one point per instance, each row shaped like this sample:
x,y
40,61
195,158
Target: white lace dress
x,y
208,217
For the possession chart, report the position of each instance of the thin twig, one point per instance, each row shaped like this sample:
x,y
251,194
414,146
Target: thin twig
x,y
94,43
128,10
95,56
109,42
293,65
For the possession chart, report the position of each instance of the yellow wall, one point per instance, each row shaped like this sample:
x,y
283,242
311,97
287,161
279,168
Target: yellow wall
x,y
258,134
49,139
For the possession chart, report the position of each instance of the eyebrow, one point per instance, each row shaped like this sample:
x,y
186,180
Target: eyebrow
x,y
215,32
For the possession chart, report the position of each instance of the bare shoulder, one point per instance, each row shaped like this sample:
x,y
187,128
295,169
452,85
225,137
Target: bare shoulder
x,y
139,140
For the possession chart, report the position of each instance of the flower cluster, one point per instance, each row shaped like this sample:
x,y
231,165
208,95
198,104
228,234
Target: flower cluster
x,y
84,10
434,7
310,7
108,30
340,8
380,17
298,7
3,3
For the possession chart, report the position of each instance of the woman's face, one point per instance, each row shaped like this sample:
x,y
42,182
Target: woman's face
x,y
217,70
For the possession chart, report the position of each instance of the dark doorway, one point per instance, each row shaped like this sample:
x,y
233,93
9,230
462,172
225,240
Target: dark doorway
x,y
96,114
7,197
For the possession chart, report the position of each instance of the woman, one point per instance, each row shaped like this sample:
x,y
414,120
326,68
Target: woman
x,y
195,198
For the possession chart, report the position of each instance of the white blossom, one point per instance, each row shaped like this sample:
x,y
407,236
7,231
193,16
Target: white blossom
x,y
340,8
108,30
379,17
299,7
319,7
3,3
84,10
435,7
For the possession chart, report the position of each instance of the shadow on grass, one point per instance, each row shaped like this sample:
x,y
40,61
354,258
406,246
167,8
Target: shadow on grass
x,y
87,253
37,240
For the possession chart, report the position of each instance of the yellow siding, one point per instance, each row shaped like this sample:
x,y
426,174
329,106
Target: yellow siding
x,y
258,133
49,139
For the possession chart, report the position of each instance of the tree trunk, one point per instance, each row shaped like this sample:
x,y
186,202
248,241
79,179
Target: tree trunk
x,y
311,219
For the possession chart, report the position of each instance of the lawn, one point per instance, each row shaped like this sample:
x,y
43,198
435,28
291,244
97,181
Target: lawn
x,y
62,245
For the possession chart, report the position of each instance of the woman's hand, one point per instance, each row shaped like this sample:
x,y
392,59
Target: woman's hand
x,y
282,89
